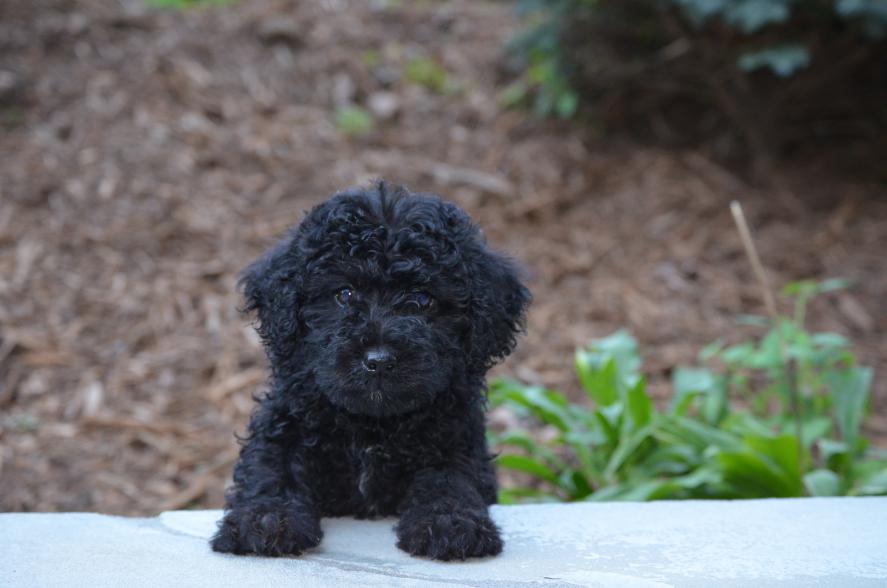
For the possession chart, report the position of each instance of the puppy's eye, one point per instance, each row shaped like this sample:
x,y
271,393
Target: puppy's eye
x,y
344,296
423,300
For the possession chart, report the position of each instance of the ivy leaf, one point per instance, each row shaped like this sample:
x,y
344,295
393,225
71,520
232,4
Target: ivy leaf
x,y
752,15
784,60
822,483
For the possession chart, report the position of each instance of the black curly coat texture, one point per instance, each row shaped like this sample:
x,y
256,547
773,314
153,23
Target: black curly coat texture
x,y
374,270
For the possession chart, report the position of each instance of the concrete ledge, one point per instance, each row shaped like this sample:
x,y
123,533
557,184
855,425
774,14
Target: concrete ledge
x,y
806,542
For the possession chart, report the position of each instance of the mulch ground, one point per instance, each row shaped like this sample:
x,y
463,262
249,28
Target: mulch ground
x,y
147,156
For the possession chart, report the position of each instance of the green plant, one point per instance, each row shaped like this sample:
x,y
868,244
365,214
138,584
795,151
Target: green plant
x,y
752,16
545,87
354,120
426,72
546,80
702,446
543,44
771,78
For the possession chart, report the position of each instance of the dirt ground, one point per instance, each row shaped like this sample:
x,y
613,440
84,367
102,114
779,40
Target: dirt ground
x,y
147,156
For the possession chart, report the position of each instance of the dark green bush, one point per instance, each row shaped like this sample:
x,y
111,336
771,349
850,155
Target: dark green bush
x,y
771,74
778,417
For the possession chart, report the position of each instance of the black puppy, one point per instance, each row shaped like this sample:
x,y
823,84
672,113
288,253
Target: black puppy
x,y
381,314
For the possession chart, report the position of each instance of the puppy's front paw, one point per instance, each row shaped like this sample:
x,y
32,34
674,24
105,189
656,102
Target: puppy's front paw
x,y
446,536
264,531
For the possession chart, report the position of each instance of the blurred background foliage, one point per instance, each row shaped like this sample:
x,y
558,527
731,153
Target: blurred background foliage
x,y
755,80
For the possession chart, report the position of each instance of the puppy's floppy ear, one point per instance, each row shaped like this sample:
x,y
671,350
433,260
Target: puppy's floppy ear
x,y
498,308
272,287
498,299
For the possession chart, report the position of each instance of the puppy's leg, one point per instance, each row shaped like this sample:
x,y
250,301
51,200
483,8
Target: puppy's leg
x,y
270,509
444,516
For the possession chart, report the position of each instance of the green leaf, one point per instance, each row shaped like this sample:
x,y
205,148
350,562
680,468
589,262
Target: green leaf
x,y
829,448
621,347
832,284
752,15
586,444
672,488
566,104
830,340
692,383
685,380
874,484
548,406
743,424
706,475
535,449
528,465
755,476
813,429
354,120
737,354
766,466
784,60
800,288
513,94
835,455
608,367
753,320
601,383
670,460
626,450
607,493
639,407
681,404
700,436
822,483
543,103
609,419
850,393
768,356
781,450
649,490
624,349
711,350
426,72
579,485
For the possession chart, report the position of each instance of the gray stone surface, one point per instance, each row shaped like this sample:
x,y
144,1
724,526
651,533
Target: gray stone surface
x,y
806,542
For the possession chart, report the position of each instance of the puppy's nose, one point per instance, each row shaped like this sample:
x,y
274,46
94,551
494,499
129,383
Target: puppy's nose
x,y
378,360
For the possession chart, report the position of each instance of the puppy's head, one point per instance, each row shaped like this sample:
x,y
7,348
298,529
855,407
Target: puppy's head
x,y
384,297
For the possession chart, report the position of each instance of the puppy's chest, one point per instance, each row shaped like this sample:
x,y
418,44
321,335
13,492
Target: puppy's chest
x,y
373,464
381,475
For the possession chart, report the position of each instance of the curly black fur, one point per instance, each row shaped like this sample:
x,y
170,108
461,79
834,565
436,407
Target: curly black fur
x,y
379,269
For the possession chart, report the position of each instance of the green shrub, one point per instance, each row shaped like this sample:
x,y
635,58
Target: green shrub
x,y
546,83
543,45
778,417
771,72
